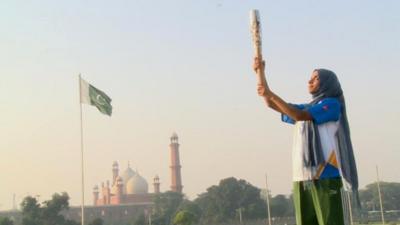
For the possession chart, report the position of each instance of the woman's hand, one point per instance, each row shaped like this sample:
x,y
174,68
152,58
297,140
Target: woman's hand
x,y
258,65
262,90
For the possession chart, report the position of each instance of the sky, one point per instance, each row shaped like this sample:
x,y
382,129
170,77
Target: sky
x,y
185,67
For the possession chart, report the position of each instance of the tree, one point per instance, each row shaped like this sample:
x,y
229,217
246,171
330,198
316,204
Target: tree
x,y
221,203
191,207
140,220
31,211
47,214
52,209
184,218
390,196
6,221
97,221
71,222
165,206
280,206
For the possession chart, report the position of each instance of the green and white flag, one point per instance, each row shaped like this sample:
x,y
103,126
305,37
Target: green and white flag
x,y
93,96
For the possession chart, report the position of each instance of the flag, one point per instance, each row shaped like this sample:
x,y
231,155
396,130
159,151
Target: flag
x,y
93,96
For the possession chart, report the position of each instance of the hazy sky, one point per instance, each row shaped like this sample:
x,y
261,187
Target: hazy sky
x,y
185,66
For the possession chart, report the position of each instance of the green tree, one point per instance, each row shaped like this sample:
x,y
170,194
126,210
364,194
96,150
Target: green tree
x,y
191,207
97,221
31,212
47,214
221,203
184,218
390,196
6,221
51,211
165,207
140,220
280,206
71,222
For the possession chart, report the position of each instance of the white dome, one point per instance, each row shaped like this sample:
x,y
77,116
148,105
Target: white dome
x,y
127,174
137,185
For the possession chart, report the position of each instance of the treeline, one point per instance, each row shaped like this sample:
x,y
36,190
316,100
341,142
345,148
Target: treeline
x,y
390,196
46,213
231,200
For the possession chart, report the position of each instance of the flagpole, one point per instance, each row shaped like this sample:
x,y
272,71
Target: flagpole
x,y
82,164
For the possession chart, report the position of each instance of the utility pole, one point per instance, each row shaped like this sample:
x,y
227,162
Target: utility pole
x,y
240,215
267,199
14,203
150,217
380,195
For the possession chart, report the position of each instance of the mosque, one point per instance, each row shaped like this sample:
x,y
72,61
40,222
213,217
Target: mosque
x,y
131,188
125,198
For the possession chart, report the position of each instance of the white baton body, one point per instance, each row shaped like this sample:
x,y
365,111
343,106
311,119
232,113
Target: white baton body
x,y
255,27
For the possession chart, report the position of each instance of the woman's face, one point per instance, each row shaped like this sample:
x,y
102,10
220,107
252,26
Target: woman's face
x,y
313,83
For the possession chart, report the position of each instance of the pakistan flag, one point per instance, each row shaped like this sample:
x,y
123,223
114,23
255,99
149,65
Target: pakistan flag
x,y
93,96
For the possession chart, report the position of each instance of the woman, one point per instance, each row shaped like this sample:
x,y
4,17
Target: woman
x,y
323,156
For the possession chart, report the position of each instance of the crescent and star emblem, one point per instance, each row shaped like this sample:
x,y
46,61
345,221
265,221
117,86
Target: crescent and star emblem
x,y
101,100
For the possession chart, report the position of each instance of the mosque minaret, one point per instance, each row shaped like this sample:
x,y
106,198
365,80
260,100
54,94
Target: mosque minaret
x,y
156,183
176,179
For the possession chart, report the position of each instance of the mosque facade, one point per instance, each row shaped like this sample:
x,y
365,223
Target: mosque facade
x,y
130,187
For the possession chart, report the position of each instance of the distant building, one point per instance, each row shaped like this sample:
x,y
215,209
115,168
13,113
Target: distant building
x,y
123,199
131,188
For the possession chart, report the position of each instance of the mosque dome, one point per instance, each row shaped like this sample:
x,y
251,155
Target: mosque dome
x,y
127,174
137,185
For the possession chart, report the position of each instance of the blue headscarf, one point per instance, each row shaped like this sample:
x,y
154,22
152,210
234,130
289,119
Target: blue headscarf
x,y
330,88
